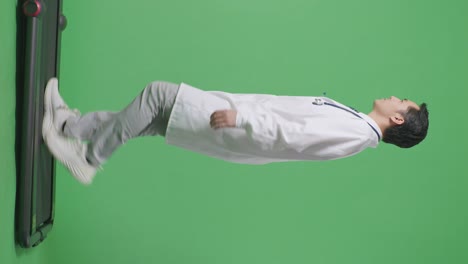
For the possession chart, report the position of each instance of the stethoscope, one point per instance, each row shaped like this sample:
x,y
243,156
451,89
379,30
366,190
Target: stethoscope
x,y
321,101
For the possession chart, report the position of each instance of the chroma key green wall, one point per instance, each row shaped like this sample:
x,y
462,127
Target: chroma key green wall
x,y
155,203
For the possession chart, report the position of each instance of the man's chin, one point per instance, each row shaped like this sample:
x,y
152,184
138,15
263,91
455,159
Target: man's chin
x,y
377,103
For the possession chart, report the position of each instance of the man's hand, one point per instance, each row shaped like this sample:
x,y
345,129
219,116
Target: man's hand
x,y
223,118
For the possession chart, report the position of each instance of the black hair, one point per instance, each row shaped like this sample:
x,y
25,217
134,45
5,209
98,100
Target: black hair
x,y
412,131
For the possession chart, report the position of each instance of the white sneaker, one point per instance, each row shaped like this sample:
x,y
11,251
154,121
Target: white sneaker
x,y
72,153
59,109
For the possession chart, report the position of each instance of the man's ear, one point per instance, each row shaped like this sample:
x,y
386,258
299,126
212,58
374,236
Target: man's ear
x,y
397,119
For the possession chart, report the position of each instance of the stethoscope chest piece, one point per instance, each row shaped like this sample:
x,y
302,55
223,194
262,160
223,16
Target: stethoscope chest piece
x,y
318,101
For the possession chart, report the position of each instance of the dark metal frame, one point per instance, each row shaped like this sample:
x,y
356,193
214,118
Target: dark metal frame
x,y
39,26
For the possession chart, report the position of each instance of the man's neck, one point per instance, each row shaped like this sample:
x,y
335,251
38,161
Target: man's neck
x,y
381,121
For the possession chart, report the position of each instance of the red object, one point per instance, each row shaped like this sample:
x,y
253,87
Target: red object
x,y
32,8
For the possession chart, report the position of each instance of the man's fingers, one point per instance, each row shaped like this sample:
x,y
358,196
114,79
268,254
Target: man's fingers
x,y
218,113
218,125
220,119
216,122
217,119
215,113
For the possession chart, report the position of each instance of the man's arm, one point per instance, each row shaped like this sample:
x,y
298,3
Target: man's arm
x,y
260,125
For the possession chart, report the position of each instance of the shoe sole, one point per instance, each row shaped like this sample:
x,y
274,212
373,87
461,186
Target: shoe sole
x,y
47,123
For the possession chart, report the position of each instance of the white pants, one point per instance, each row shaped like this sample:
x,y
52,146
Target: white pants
x,y
147,115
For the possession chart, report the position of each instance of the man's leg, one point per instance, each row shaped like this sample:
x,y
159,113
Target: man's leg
x,y
148,114
84,127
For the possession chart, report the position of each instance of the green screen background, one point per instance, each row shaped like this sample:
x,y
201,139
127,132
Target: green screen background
x,y
156,203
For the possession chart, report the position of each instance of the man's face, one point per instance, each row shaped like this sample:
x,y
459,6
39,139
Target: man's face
x,y
392,106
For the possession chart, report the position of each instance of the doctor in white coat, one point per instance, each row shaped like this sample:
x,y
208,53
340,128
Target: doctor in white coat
x,y
241,128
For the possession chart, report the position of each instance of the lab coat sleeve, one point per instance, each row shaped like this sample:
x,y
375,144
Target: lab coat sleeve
x,y
261,126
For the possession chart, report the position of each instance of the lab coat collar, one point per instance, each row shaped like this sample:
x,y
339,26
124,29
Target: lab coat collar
x,y
368,119
372,123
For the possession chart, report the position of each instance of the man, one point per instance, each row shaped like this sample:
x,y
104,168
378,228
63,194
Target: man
x,y
242,128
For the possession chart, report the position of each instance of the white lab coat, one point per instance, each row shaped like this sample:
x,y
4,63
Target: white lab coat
x,y
269,128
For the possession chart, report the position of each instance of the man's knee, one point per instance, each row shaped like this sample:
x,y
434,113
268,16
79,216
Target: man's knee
x,y
162,87
155,86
